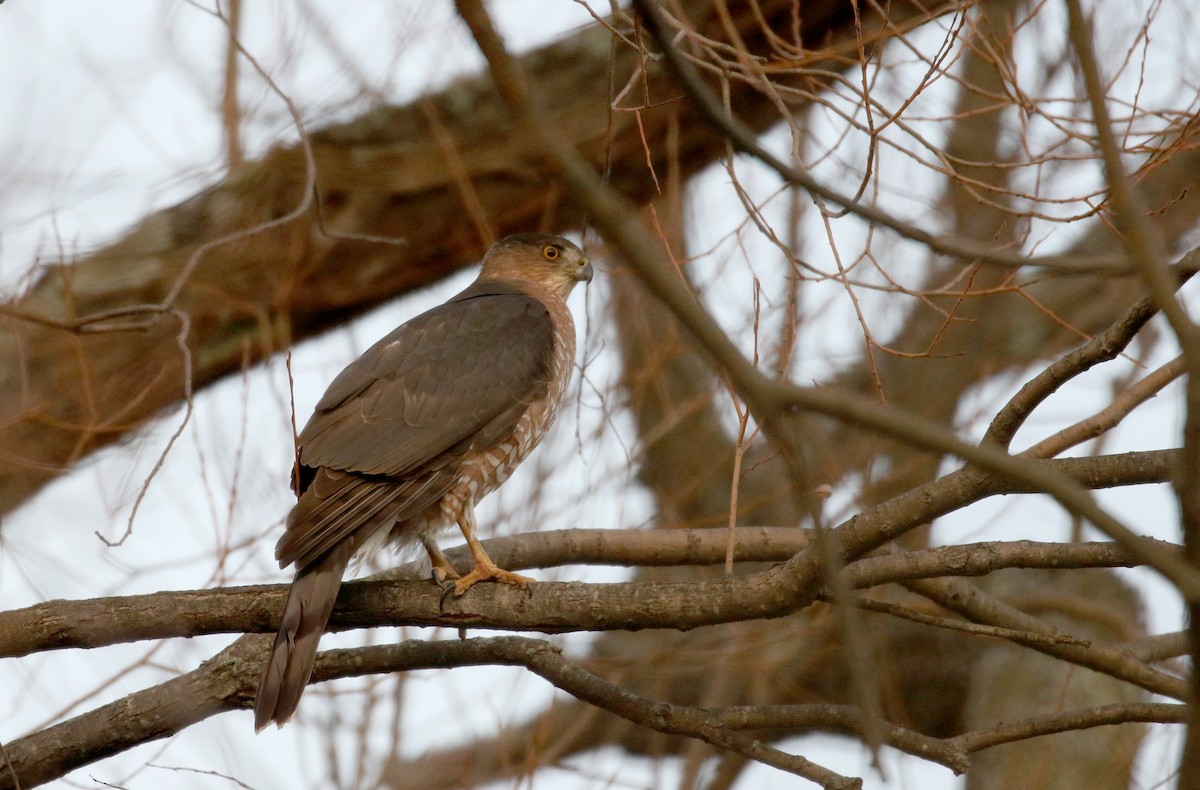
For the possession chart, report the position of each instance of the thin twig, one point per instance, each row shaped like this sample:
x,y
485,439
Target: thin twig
x,y
1102,348
181,338
746,140
1012,634
1111,415
1066,721
230,112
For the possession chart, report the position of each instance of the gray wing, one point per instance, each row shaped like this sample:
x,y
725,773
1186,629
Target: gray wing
x,y
386,438
430,384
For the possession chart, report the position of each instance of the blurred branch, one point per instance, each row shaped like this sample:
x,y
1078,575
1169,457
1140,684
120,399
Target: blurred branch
x,y
1111,415
961,596
746,139
231,114
1162,713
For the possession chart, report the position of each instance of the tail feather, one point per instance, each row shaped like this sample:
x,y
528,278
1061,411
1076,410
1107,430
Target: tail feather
x,y
309,603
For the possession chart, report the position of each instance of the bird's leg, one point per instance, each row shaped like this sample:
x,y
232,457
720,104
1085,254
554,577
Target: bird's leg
x,y
441,568
485,569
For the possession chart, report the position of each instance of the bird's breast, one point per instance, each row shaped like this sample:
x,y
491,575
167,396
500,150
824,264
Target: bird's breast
x,y
484,471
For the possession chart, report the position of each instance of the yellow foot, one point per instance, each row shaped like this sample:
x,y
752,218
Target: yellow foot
x,y
489,573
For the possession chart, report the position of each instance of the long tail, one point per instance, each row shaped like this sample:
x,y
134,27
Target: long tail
x,y
310,600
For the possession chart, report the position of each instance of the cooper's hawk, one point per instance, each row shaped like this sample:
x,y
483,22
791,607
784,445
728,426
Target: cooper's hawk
x,y
411,435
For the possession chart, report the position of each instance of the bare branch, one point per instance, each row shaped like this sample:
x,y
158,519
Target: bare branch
x,y
1163,713
552,608
966,599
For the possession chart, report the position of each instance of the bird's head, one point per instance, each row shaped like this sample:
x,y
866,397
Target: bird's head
x,y
551,261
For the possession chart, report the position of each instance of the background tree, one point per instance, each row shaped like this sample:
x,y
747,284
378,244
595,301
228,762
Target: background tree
x,y
943,216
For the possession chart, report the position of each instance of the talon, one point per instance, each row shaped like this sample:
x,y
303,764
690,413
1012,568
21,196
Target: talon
x,y
440,571
447,588
442,578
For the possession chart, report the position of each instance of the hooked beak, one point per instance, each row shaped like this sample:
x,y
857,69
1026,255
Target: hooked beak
x,y
584,272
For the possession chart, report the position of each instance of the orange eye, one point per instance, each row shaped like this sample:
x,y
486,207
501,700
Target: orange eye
x,y
551,253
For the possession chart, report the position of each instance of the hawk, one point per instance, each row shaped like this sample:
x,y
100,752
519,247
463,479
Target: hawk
x,y
412,434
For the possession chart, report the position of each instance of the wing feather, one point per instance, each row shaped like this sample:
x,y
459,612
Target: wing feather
x,y
431,384
340,504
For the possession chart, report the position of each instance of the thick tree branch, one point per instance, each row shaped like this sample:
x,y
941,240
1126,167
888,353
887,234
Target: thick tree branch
x,y
554,608
227,681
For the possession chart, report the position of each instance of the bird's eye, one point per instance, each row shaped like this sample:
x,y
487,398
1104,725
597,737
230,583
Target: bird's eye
x,y
551,253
